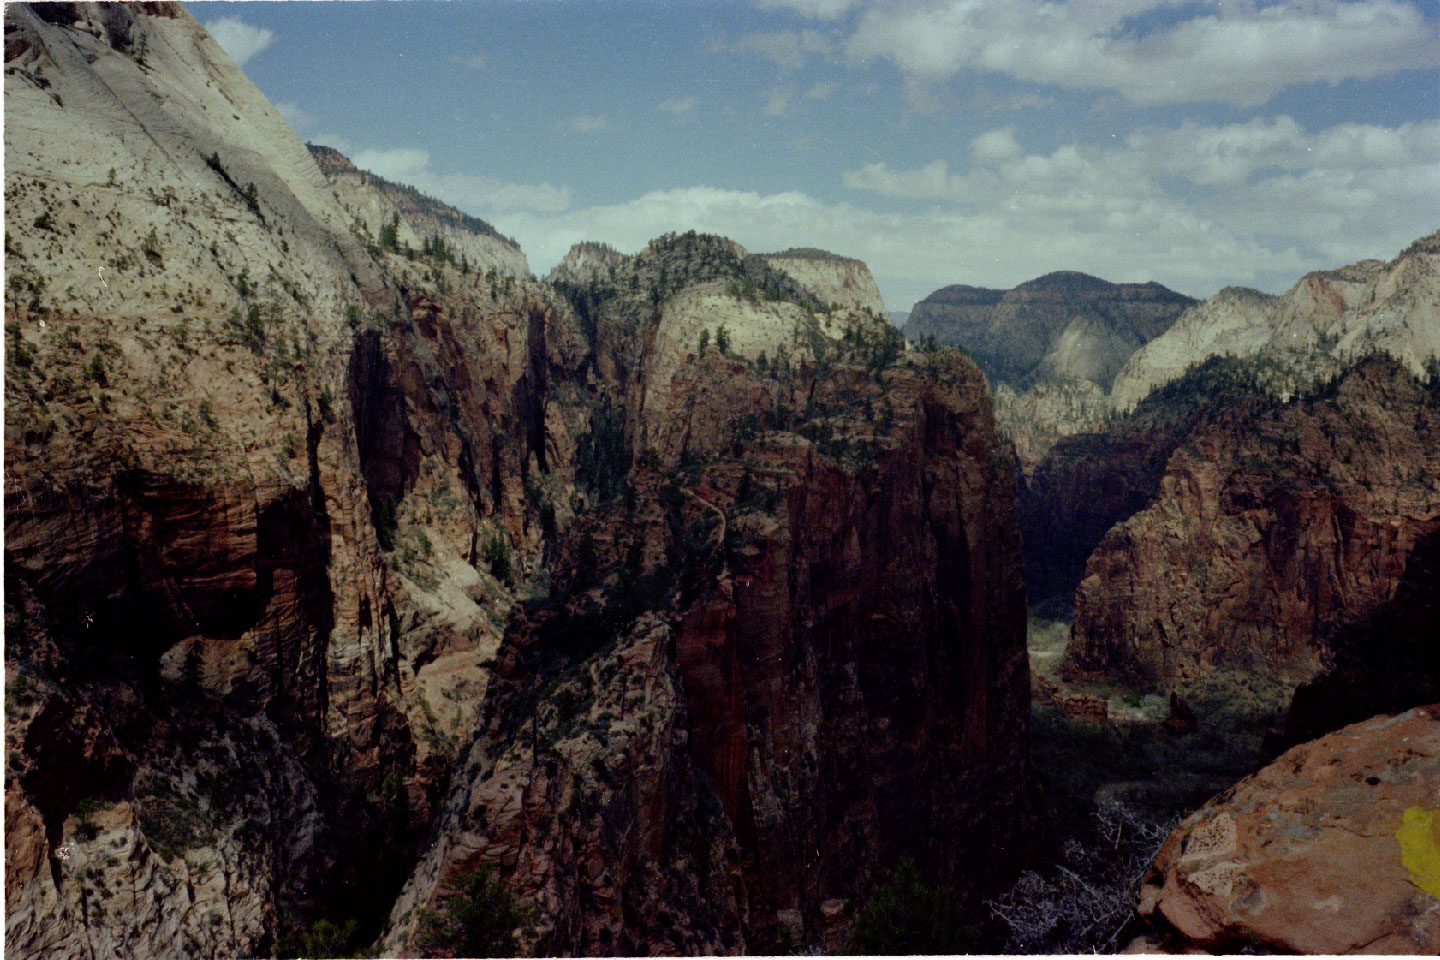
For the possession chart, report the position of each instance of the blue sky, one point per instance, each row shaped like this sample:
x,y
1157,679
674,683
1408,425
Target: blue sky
x,y
942,141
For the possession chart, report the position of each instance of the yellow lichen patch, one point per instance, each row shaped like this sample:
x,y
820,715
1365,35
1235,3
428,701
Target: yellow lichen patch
x,y
1419,837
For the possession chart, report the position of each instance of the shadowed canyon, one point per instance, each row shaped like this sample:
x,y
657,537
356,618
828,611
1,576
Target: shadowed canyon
x,y
367,594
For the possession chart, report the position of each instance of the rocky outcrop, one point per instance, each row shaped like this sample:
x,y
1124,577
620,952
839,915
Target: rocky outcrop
x,y
833,279
1388,661
387,214
1331,849
847,684
278,471
588,262
1061,325
249,482
1325,321
1273,526
1036,420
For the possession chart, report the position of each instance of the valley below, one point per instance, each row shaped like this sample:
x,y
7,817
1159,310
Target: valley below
x,y
368,595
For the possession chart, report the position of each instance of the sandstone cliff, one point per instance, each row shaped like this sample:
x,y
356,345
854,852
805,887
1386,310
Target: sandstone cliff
x,y
1273,526
245,619
1329,850
279,473
1325,321
833,279
383,212
1388,661
835,678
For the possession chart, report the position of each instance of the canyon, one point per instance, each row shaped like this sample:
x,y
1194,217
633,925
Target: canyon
x,y
322,512
350,567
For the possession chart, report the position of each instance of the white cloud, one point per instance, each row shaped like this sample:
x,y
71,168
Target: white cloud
x,y
821,90
1241,53
1266,190
777,101
788,49
476,61
995,145
588,124
813,9
238,39
294,115
678,106
480,195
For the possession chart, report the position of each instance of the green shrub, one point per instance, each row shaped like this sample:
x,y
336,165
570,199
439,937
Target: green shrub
x,y
905,916
497,555
479,921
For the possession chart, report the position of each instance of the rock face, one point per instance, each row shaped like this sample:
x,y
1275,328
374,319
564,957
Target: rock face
x,y
246,477
1387,661
587,263
1324,320
286,442
1330,849
1273,526
374,203
847,684
830,277
1061,325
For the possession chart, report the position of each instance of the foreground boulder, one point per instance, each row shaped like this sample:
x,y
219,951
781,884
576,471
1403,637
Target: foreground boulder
x,y
1330,849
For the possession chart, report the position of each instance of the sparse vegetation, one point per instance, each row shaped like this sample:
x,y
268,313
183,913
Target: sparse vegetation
x,y
906,916
480,920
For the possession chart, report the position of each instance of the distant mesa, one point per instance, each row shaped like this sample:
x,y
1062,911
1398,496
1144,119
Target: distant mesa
x,y
1062,325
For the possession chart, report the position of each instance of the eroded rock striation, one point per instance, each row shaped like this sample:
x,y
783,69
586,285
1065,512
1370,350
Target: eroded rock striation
x,y
837,678
1328,850
834,279
249,465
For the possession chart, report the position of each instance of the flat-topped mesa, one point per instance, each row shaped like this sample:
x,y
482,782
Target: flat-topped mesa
x,y
1322,323
397,217
834,279
1062,325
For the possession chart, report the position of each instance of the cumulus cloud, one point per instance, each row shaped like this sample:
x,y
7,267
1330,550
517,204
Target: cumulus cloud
x,y
1289,197
1240,53
239,39
813,9
480,195
588,124
678,106
995,145
788,49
